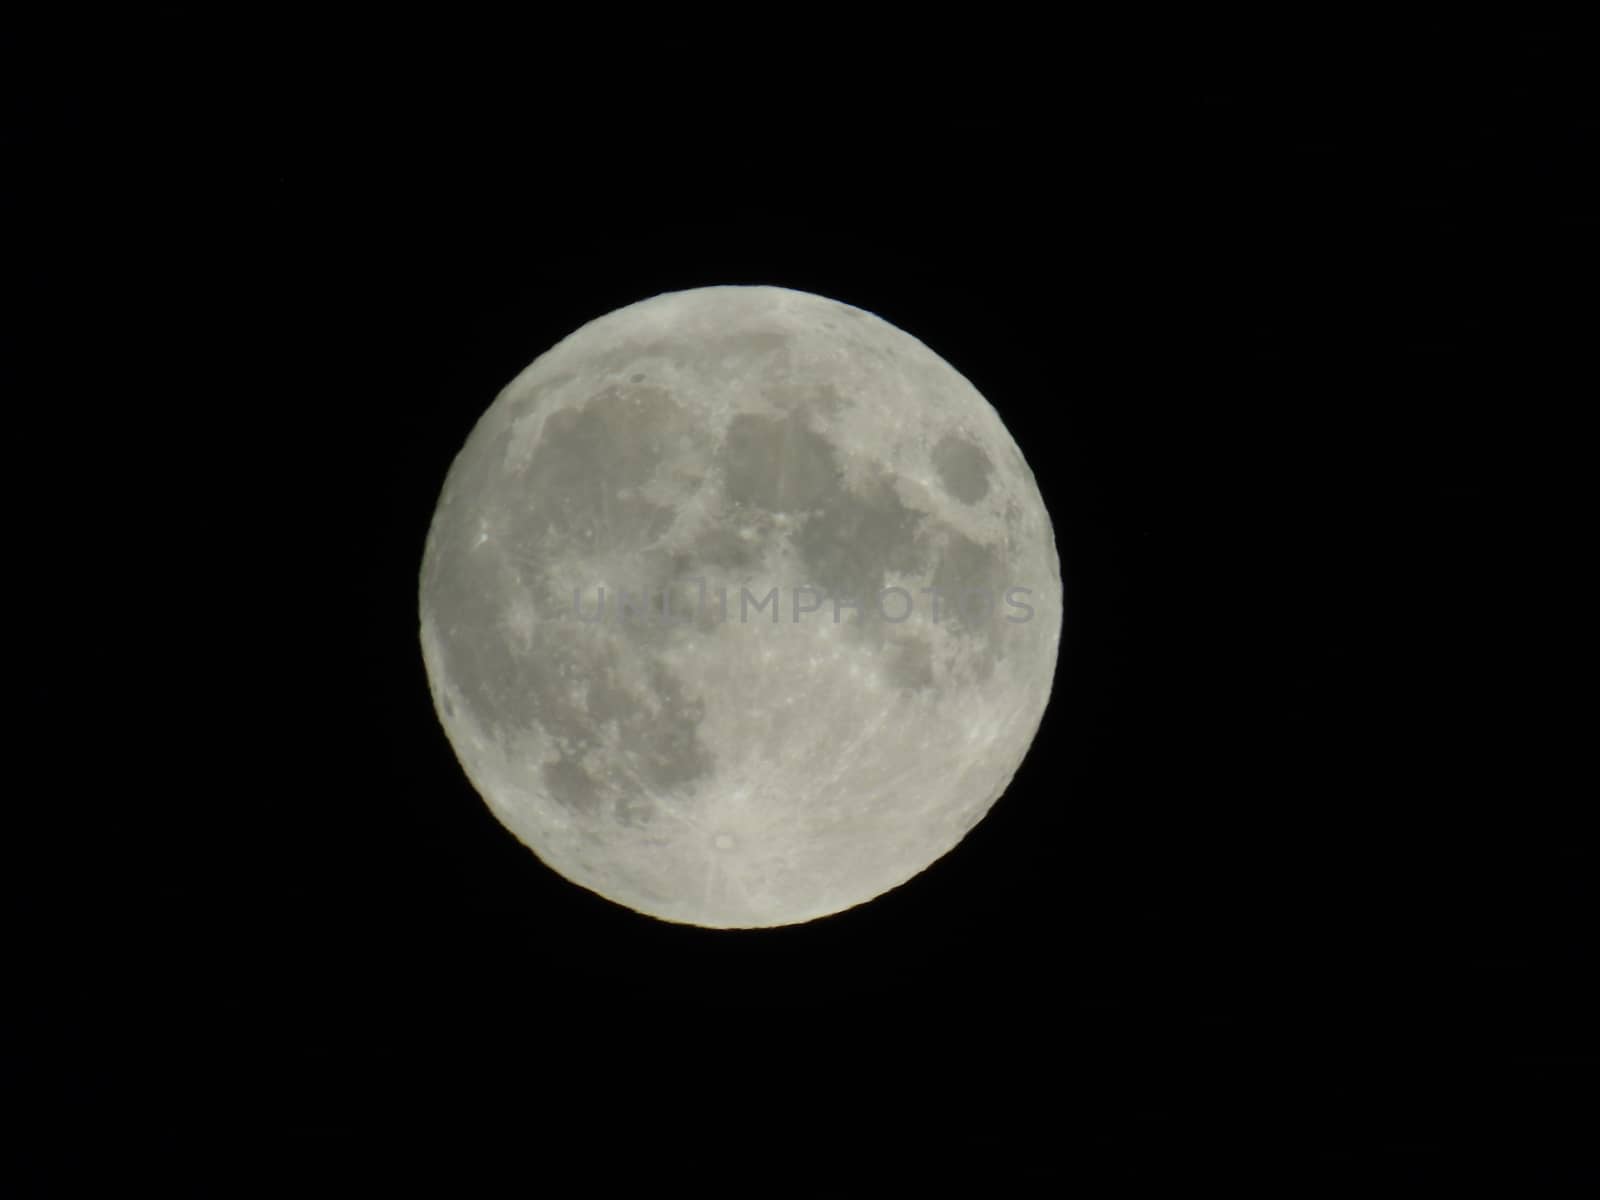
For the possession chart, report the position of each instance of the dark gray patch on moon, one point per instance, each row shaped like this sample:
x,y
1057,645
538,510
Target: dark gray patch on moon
x,y
857,535
970,578
663,734
579,496
657,724
966,568
570,785
963,468
721,546
909,664
776,463
579,493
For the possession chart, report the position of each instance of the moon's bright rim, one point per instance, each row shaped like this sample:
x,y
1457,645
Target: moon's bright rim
x,y
715,769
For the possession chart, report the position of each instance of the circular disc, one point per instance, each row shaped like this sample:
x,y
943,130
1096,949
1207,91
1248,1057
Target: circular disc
x,y
740,606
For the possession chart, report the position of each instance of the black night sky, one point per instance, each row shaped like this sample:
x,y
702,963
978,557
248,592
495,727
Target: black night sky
x,y
1281,893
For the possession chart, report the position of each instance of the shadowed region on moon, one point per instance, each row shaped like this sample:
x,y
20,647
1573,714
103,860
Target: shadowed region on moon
x,y
715,768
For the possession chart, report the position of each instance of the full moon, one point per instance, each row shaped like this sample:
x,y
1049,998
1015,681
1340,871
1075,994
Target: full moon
x,y
740,607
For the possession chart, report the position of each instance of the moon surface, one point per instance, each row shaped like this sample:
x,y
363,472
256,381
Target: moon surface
x,y
740,607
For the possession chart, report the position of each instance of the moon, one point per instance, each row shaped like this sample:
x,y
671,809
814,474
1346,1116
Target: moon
x,y
740,607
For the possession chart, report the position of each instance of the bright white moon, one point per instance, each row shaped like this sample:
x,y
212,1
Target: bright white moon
x,y
740,606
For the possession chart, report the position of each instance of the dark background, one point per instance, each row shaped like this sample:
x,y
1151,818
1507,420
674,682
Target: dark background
x,y
1288,888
